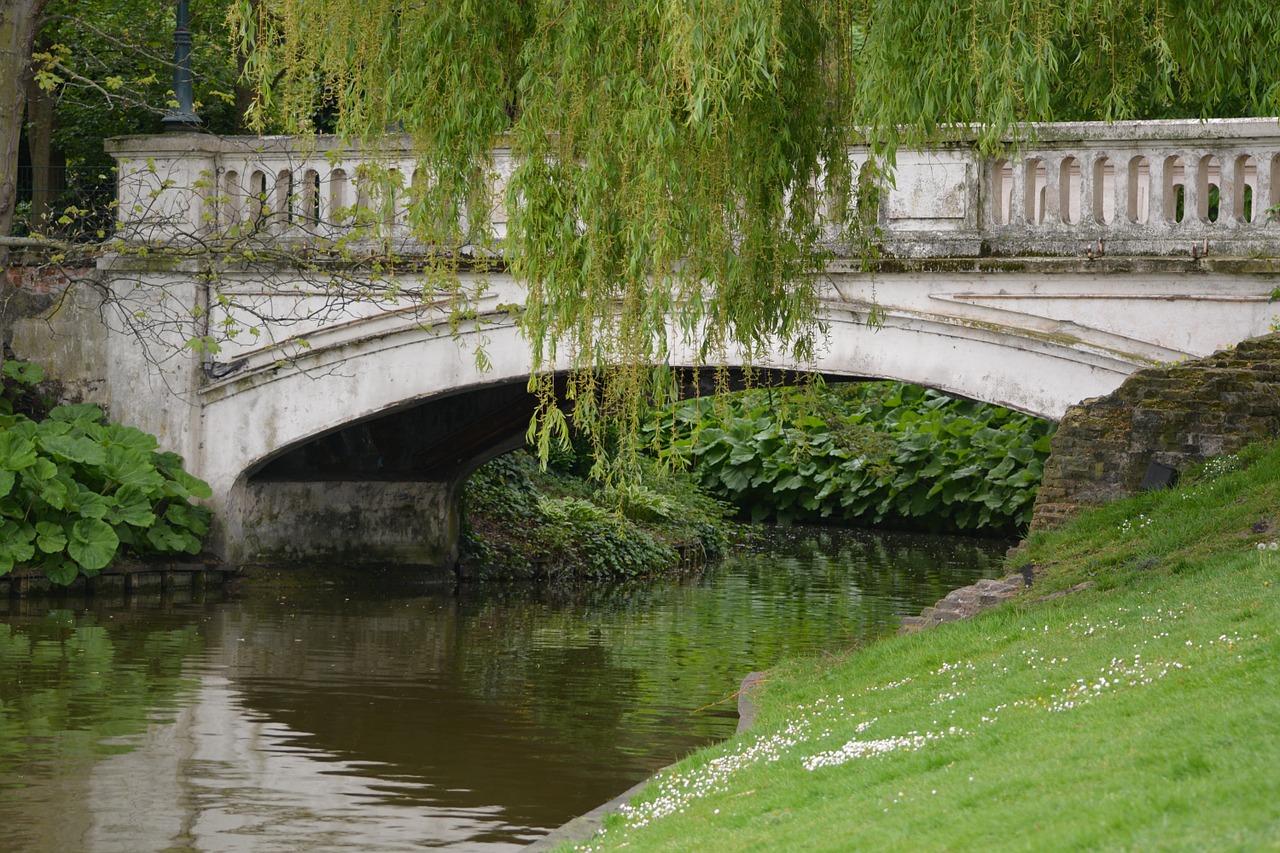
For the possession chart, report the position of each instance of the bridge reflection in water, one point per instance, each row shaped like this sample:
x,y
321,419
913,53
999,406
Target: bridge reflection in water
x,y
349,715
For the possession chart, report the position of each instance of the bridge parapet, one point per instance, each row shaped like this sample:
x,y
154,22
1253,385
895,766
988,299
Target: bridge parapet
x,y
1074,189
188,188
1137,188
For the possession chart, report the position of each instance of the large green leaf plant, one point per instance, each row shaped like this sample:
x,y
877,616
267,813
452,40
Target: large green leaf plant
x,y
871,454
75,490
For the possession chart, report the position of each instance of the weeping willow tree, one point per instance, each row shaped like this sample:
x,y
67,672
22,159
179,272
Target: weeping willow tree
x,y
681,163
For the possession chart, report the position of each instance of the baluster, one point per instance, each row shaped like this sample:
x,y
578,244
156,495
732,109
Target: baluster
x,y
1268,188
1052,212
1230,192
1018,194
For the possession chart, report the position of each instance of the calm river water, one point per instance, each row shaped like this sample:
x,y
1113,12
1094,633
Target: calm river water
x,y
371,713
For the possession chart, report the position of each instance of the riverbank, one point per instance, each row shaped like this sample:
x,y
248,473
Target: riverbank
x,y
1142,711
523,522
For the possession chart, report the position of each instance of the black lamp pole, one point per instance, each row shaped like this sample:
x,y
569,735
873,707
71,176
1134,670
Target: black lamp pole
x,y
184,118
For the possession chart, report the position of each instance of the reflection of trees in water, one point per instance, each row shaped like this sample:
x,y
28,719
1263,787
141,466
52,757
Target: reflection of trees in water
x,y
545,697
801,591
67,682
82,678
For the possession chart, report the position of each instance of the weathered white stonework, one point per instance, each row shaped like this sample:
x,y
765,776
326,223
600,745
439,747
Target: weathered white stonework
x,y
1034,281
1148,188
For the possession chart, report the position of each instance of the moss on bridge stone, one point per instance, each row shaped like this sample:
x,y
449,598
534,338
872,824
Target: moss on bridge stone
x,y
1175,415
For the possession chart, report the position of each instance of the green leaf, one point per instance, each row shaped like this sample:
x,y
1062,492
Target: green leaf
x,y
181,484
93,543
130,467
61,570
168,540
6,482
132,507
16,452
15,543
74,449
55,492
86,411
23,373
43,471
50,537
127,436
86,502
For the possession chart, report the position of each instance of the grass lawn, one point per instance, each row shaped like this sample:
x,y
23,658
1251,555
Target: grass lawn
x,y
1142,713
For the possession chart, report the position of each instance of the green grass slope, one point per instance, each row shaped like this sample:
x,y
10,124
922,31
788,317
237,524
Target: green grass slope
x,y
1140,713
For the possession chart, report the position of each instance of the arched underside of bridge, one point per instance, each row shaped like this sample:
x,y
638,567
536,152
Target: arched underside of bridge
x,y
358,450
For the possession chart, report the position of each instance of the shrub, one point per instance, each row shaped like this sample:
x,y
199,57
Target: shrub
x,y
870,454
76,490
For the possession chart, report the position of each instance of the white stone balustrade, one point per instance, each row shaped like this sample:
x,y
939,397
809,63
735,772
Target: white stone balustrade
x,y
1073,189
1167,187
181,188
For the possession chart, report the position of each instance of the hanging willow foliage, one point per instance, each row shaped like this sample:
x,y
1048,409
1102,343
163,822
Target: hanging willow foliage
x,y
676,158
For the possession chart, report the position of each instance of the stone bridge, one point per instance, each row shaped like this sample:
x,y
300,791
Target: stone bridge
x,y
344,428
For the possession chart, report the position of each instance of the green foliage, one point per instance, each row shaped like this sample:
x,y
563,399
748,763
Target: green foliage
x,y
107,64
867,454
680,169
75,489
524,521
74,685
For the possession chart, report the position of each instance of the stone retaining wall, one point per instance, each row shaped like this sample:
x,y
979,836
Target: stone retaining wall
x,y
1174,415
965,602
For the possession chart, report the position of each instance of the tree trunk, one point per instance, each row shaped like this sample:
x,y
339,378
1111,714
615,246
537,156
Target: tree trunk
x,y
19,20
45,184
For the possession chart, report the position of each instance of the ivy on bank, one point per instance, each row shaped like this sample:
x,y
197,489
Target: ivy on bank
x,y
524,522
868,454
76,491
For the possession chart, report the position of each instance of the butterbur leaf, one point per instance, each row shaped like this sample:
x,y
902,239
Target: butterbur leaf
x,y
67,414
74,449
62,571
167,540
16,452
193,518
194,486
50,537
55,493
16,543
130,467
87,503
43,470
181,484
127,436
132,507
6,482
23,373
93,543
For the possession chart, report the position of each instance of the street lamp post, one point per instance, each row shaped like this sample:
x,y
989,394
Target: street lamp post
x,y
184,118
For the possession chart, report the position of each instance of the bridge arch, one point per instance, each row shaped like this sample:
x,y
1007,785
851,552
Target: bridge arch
x,y
395,368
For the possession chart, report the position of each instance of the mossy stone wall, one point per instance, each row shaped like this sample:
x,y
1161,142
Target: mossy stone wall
x,y
1173,414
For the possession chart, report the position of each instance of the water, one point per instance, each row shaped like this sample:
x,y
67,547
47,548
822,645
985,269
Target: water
x,y
359,713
